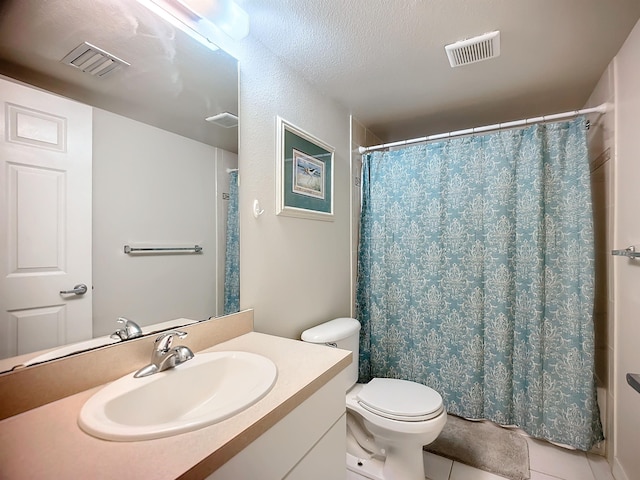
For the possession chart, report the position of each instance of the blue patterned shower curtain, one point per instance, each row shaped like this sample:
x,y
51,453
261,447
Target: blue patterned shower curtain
x,y
475,277
232,252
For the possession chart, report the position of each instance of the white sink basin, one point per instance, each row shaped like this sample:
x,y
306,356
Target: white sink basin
x,y
207,389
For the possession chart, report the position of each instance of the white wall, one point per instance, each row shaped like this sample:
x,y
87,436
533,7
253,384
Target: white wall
x,y
626,272
295,272
361,136
601,140
151,187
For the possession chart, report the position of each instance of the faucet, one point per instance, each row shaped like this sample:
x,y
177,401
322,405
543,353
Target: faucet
x,y
164,356
131,330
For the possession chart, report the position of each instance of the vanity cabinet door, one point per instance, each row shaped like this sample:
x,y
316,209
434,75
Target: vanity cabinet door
x,y
309,443
315,465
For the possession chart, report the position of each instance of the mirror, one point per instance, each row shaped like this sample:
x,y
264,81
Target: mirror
x,y
161,173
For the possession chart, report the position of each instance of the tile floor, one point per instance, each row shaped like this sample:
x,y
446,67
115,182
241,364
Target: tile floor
x,y
546,461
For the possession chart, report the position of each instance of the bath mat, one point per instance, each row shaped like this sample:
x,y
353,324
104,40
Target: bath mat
x,y
483,445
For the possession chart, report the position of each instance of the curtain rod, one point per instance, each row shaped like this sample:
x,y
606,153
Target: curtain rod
x,y
488,128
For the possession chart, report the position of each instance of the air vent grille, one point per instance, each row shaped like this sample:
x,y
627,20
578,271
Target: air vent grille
x,y
225,119
93,60
474,49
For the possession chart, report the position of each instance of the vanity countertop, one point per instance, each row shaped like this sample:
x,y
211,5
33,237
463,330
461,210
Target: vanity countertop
x,y
46,442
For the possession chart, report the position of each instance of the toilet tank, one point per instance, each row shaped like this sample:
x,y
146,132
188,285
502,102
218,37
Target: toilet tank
x,y
341,333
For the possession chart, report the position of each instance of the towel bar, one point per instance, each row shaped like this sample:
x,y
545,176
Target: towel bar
x,y
629,252
132,250
633,379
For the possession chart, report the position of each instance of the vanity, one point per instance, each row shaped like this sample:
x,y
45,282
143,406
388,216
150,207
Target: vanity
x,y
296,431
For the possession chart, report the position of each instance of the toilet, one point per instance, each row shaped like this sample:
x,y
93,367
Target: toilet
x,y
388,420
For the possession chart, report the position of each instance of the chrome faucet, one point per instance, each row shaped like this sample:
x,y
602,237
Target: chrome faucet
x,y
130,330
164,356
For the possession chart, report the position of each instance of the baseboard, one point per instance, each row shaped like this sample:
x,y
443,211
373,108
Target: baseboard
x,y
618,471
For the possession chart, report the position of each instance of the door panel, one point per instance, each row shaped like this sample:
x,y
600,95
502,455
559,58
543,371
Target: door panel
x,y
36,245
45,216
38,328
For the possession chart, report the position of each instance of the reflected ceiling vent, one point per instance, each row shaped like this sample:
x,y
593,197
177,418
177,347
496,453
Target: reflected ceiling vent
x,y
93,60
474,49
225,119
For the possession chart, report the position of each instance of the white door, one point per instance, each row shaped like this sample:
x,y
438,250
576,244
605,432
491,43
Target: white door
x,y
45,219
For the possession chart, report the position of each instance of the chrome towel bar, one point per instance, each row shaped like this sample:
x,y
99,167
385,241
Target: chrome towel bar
x,y
633,379
629,252
133,250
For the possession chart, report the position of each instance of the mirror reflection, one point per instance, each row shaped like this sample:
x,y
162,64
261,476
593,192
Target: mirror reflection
x,y
130,160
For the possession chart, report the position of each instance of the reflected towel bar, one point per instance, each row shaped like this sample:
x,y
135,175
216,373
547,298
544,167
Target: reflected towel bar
x,y
195,249
629,252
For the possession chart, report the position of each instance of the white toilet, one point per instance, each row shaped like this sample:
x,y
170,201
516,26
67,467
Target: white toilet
x,y
388,420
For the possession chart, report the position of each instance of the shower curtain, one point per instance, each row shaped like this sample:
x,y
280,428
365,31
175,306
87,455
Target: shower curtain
x,y
232,252
475,277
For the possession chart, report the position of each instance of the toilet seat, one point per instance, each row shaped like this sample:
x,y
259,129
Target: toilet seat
x,y
400,400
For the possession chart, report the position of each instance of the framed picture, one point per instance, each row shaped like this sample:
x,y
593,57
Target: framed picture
x,y
304,174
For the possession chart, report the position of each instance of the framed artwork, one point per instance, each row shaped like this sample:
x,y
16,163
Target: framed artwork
x,y
304,174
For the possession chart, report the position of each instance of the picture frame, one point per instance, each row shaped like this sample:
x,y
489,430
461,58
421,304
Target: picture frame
x,y
305,174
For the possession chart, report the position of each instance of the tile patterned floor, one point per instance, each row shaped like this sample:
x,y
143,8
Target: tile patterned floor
x,y
546,461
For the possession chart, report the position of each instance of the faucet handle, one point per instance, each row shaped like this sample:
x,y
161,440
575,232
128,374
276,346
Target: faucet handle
x,y
130,330
164,340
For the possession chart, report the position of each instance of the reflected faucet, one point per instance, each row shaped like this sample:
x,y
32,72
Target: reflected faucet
x,y
164,356
130,330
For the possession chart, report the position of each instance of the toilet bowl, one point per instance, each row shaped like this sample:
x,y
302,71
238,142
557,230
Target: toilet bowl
x,y
388,420
401,417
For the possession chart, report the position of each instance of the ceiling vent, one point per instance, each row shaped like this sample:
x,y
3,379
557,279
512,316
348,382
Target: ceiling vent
x,y
93,60
474,49
225,119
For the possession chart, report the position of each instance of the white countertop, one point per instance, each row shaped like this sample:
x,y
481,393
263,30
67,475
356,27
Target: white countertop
x,y
46,442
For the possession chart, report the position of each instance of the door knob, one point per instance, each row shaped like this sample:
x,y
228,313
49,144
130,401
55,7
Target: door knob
x,y
79,289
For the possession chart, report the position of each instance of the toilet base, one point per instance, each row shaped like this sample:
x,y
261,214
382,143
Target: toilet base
x,y
387,456
364,468
403,462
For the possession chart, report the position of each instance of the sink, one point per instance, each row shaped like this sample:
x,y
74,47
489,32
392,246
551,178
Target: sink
x,y
205,390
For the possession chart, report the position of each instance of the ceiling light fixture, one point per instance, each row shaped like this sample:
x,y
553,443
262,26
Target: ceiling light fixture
x,y
207,21
227,15
177,17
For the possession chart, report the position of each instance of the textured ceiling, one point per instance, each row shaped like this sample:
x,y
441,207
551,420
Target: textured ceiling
x,y
173,82
385,59
382,59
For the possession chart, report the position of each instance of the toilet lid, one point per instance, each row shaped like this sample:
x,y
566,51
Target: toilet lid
x,y
400,399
